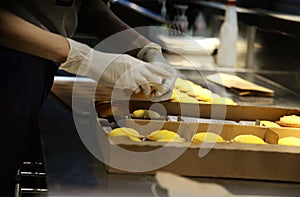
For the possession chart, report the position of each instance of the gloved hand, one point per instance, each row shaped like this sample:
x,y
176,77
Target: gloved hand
x,y
121,71
152,53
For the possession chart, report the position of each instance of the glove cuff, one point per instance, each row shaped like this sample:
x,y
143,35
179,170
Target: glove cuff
x,y
150,45
77,54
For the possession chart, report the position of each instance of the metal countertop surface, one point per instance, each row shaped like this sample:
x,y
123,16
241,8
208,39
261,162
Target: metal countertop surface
x,y
73,171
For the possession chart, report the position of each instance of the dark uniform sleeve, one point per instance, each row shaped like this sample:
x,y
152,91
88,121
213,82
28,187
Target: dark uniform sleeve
x,y
99,20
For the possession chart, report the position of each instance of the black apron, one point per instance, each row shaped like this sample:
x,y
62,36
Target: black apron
x,y
25,82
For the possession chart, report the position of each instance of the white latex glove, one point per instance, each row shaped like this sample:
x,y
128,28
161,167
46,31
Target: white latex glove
x,y
152,53
120,71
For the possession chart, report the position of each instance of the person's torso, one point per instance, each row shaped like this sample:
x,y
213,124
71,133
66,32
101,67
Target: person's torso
x,y
58,16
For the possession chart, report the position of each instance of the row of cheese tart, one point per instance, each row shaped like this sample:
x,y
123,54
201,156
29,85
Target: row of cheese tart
x,y
285,121
188,92
171,136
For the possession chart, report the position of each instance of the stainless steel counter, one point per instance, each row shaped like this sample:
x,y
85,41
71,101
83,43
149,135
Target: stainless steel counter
x,y
72,171
284,96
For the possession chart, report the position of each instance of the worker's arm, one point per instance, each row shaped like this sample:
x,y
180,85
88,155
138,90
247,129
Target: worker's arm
x,y
98,19
21,35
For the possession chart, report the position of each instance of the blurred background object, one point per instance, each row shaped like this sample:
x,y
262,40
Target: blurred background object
x,y
269,31
227,52
180,18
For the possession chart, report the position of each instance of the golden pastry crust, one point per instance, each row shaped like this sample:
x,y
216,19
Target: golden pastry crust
x,y
289,121
248,139
124,131
289,141
267,123
165,136
178,96
207,137
146,114
195,90
186,91
180,83
205,95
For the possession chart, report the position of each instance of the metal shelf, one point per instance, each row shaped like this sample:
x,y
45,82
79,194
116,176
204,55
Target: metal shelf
x,y
31,179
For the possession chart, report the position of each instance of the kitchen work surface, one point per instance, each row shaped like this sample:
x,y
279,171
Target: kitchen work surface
x,y
86,89
72,171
